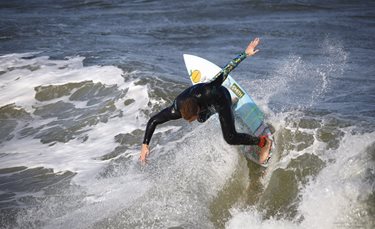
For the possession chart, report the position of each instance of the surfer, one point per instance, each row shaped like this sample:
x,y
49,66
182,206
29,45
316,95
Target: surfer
x,y
200,101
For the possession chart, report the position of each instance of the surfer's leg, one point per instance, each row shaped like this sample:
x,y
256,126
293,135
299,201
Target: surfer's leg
x,y
226,118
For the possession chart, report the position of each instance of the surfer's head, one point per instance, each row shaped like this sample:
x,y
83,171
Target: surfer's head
x,y
189,109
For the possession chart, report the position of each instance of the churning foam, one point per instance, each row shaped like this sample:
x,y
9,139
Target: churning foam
x,y
183,177
335,198
23,73
298,83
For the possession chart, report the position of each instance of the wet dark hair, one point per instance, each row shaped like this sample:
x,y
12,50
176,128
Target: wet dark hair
x,y
189,108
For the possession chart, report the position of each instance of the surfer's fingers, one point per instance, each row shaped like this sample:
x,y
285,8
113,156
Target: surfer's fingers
x,y
142,159
253,44
143,162
256,42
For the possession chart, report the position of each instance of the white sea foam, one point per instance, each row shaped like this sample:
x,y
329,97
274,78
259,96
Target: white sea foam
x,y
297,81
23,75
251,218
187,174
17,86
188,171
332,199
183,177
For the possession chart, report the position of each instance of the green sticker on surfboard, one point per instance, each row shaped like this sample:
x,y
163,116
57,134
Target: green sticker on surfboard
x,y
237,90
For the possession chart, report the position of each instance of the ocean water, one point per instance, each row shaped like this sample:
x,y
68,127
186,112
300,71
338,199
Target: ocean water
x,y
80,79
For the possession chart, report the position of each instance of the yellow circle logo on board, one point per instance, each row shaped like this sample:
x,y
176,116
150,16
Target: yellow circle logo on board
x,y
196,76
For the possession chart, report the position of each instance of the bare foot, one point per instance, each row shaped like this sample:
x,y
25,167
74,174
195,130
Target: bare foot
x,y
265,151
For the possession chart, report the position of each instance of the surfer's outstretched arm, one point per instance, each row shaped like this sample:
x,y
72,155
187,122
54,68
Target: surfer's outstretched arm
x,y
223,74
163,116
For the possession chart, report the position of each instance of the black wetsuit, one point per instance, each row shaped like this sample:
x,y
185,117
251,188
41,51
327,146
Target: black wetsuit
x,y
212,97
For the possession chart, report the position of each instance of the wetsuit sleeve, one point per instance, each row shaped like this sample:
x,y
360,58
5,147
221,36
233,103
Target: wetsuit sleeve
x,y
163,116
204,115
223,74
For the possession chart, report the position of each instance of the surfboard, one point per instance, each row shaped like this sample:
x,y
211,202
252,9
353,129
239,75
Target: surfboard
x,y
201,70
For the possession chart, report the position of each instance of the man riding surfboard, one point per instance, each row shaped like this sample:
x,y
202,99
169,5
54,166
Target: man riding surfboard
x,y
200,101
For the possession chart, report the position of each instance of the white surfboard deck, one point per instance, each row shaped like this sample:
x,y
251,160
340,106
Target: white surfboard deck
x,y
201,70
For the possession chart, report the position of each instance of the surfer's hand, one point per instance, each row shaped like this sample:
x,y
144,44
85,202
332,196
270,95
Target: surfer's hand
x,y
250,50
145,151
